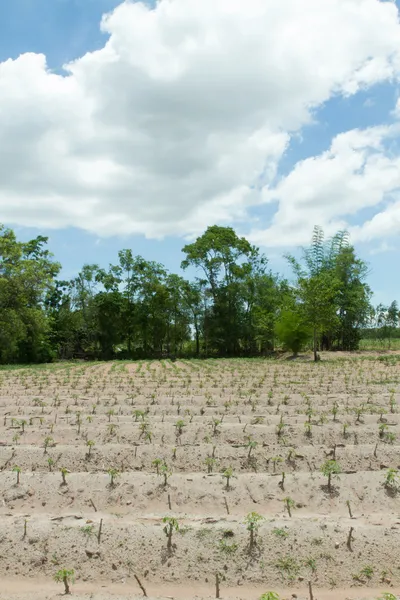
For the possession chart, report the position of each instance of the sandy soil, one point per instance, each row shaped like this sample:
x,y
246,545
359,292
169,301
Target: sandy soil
x,y
261,418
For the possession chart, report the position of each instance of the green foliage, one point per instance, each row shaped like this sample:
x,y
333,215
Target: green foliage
x,y
292,331
228,474
288,566
136,309
331,468
17,470
332,296
280,532
270,596
65,576
113,473
171,525
27,273
392,480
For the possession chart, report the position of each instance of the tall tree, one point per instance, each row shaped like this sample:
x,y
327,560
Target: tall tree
x,y
27,273
225,260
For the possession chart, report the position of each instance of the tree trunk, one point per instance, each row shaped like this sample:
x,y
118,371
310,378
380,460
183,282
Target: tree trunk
x,y
66,585
315,344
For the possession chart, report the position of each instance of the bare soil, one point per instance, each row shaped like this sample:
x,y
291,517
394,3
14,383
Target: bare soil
x,y
261,418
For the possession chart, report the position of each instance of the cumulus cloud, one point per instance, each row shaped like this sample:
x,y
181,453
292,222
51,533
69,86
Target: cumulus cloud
x,y
181,119
359,171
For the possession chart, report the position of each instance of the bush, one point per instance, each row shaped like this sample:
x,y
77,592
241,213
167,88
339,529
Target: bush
x,y
292,331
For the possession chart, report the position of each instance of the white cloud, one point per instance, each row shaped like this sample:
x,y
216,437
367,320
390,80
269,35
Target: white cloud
x,y
359,171
187,110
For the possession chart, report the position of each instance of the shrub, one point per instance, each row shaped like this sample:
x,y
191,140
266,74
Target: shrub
x,y
292,331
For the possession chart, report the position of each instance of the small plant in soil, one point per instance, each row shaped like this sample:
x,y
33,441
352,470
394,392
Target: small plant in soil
x,y
289,504
65,576
48,441
228,475
331,468
87,530
171,525
113,473
367,572
210,463
311,564
216,424
275,460
382,429
280,533
392,480
280,427
157,462
179,425
253,523
387,596
390,437
308,429
90,444
165,472
289,566
64,473
17,470
252,445
270,596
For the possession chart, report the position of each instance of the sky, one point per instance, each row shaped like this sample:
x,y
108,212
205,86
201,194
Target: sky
x,y
137,125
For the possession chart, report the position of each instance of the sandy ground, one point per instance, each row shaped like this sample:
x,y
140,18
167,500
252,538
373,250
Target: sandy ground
x,y
261,418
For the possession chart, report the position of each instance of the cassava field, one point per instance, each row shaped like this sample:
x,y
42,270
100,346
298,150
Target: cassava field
x,y
169,475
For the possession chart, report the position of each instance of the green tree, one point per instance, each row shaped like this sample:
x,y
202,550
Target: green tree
x,y
316,288
225,261
27,273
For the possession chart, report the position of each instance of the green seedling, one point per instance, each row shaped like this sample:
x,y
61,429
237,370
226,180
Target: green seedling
x,y
64,473
392,480
280,532
157,462
171,525
48,441
330,468
253,522
65,576
113,473
251,444
289,503
165,472
210,462
17,470
90,444
228,475
179,425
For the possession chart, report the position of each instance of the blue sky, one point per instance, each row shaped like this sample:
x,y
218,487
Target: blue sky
x,y
65,30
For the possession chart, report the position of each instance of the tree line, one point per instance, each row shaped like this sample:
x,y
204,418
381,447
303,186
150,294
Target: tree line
x,y
234,305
